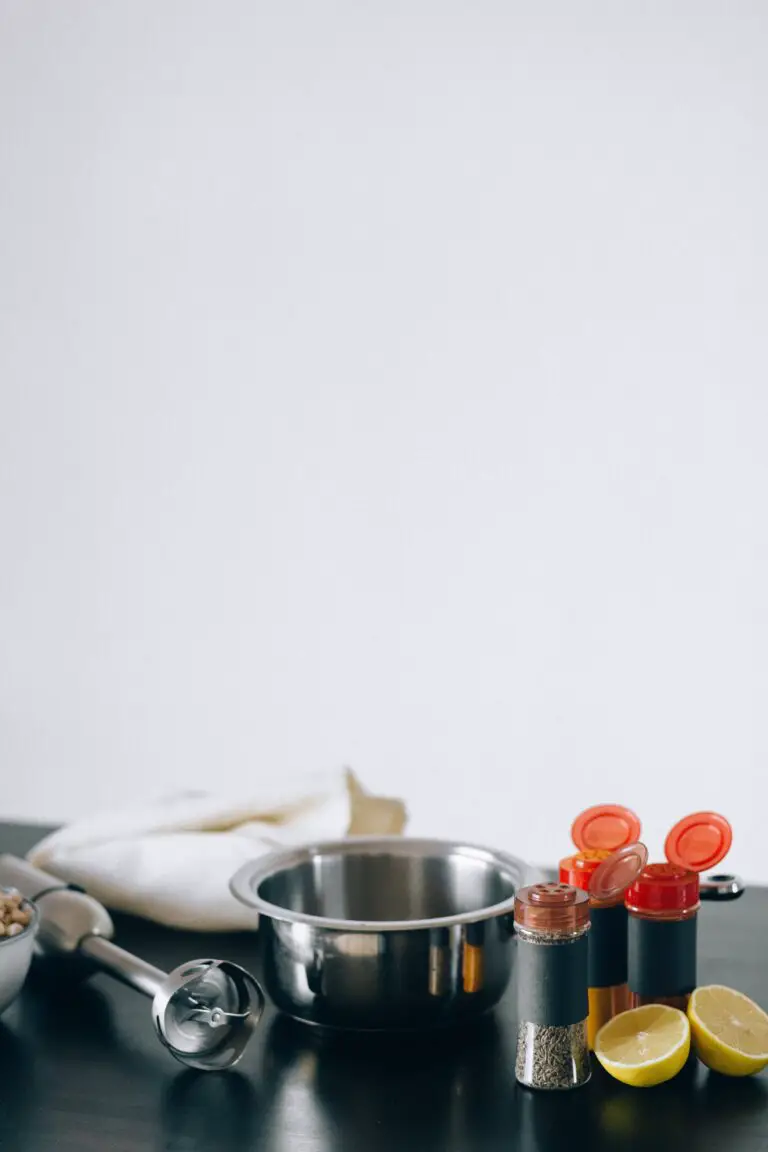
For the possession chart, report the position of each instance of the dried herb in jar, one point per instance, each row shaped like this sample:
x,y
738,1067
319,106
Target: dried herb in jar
x,y
552,1056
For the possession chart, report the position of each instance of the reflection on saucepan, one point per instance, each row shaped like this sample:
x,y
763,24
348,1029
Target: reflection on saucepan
x,y
441,977
437,1091
472,958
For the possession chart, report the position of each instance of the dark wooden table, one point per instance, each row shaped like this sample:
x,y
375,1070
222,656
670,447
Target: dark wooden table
x,y
81,1071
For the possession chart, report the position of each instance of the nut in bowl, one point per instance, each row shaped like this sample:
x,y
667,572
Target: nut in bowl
x,y
18,928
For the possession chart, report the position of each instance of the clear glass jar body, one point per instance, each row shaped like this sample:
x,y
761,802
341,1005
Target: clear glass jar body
x,y
608,987
605,873
551,1055
604,1004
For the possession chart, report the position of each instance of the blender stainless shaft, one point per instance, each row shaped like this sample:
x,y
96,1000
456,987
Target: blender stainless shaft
x,y
204,1011
124,966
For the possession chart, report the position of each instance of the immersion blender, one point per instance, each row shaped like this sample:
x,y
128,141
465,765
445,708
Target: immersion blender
x,y
204,1012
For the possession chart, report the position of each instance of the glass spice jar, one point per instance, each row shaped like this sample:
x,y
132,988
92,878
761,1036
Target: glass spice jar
x,y
551,925
663,903
609,859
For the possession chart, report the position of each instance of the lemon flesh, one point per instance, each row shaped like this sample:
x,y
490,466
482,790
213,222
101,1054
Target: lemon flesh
x,y
644,1046
730,1031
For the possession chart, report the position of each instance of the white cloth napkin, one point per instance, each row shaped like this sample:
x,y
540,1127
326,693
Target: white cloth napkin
x,y
171,860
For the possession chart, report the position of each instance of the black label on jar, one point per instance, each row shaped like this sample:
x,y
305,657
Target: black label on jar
x,y
662,956
552,982
608,947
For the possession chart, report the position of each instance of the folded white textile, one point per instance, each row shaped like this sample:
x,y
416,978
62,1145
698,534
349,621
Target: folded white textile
x,y
171,860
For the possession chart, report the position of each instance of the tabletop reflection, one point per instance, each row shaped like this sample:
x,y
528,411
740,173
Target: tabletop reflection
x,y
431,1090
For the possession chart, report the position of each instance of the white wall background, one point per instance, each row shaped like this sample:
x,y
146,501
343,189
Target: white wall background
x,y
387,384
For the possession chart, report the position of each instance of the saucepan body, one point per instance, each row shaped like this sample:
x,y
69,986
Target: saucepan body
x,y
384,932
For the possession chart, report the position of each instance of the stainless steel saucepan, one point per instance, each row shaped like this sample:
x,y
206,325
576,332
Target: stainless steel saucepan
x,y
384,932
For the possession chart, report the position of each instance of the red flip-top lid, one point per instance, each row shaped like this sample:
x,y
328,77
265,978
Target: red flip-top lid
x,y
605,875
606,827
699,842
695,844
578,870
664,888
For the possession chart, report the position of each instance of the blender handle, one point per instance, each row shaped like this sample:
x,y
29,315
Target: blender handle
x,y
67,914
25,878
721,886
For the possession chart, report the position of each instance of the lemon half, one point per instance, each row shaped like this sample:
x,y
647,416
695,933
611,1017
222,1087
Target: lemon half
x,y
730,1031
644,1046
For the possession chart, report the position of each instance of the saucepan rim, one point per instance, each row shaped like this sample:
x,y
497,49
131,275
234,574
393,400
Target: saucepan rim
x,y
245,883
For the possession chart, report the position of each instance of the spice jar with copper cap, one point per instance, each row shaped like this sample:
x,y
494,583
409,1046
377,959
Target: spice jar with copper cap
x,y
551,924
609,859
663,903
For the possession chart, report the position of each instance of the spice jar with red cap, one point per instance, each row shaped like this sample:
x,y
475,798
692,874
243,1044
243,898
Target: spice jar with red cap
x,y
610,858
663,903
551,926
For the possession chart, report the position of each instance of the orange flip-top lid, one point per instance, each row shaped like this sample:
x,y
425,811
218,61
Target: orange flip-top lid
x,y
606,827
609,856
611,878
699,842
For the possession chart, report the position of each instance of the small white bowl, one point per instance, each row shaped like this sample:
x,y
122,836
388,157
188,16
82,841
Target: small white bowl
x,y
16,957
